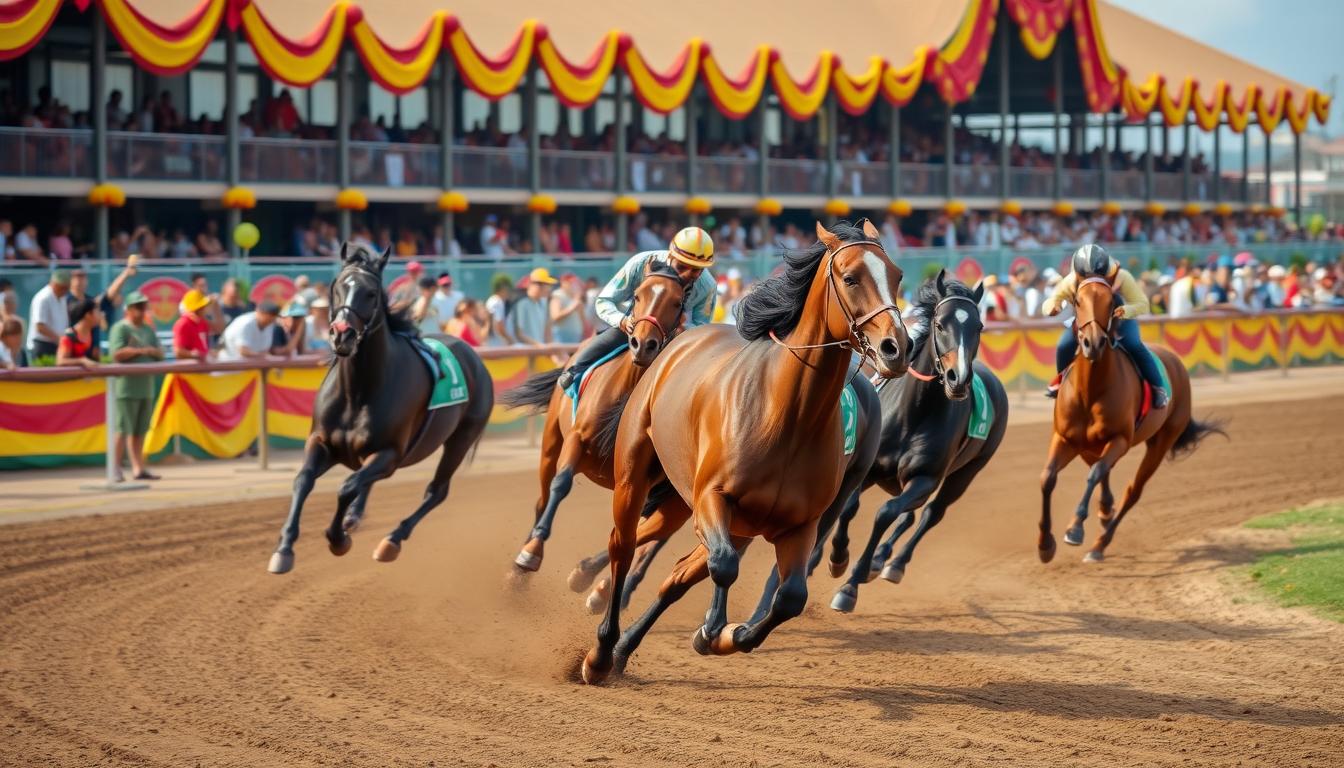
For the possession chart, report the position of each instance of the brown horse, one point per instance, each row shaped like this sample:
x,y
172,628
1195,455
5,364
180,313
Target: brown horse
x,y
747,428
570,443
1097,417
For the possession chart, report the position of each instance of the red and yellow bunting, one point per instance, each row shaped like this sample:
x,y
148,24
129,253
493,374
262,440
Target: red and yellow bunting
x,y
400,70
801,100
855,93
1101,75
50,424
663,92
296,62
159,49
1039,23
737,97
578,85
498,76
958,66
23,23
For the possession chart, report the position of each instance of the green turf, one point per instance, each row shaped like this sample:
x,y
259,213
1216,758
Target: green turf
x,y
1311,572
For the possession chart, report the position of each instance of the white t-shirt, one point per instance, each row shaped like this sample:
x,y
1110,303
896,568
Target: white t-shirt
x,y
490,246
244,332
6,359
24,242
446,303
48,309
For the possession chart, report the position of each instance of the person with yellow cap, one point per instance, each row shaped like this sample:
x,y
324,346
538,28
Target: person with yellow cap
x,y
691,253
529,320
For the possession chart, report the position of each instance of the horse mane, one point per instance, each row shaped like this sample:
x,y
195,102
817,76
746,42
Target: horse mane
x,y
926,303
657,267
365,259
776,303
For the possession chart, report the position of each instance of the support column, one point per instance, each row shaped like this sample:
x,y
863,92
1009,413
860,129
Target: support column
x,y
832,145
1269,188
894,154
1105,155
949,151
762,147
1185,160
1218,162
343,114
530,100
692,142
1003,111
233,172
101,216
1297,178
446,131
1057,60
622,221
1148,158
1246,166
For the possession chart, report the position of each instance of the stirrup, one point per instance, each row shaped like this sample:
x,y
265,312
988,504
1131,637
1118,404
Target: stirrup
x,y
1051,393
1160,398
566,379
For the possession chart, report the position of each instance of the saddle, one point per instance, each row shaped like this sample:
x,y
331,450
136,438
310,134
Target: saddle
x,y
1146,396
575,390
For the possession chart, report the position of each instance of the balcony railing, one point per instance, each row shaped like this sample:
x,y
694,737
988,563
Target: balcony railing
x,y
656,173
166,157
865,179
1125,185
563,169
726,175
289,161
49,153
923,180
490,167
394,165
975,181
797,177
1031,182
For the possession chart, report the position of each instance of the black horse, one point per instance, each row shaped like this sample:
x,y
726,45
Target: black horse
x,y
371,411
925,445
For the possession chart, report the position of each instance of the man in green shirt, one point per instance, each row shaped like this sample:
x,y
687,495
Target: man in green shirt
x,y
133,341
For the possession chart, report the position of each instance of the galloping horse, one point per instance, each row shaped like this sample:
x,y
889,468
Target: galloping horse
x,y
371,413
926,444
1097,417
570,440
748,429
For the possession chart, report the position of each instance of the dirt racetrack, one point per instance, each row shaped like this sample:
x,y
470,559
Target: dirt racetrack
x,y
159,639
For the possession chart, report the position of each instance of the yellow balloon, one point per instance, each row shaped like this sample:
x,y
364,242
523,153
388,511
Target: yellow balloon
x,y
246,235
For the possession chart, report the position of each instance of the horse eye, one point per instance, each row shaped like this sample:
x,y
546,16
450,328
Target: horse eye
x,y
851,281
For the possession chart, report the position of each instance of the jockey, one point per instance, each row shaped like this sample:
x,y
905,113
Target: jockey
x,y
691,252
1093,261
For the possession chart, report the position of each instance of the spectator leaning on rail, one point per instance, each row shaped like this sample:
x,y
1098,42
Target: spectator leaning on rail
x,y
1092,262
11,344
133,340
191,332
691,253
250,336
76,346
48,316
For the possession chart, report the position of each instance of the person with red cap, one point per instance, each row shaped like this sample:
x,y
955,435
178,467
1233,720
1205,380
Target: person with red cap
x,y
409,291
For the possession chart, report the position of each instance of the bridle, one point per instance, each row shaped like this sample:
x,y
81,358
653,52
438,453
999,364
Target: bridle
x,y
649,318
938,368
857,341
366,324
1110,316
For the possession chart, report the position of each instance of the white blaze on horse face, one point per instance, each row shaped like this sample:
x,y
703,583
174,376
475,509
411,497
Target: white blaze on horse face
x,y
963,316
878,269
350,285
657,291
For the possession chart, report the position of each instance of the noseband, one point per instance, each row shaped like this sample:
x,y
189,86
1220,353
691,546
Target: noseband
x,y
366,324
857,341
938,368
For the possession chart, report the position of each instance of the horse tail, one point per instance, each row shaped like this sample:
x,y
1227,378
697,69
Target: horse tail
x,y
535,393
608,423
1194,434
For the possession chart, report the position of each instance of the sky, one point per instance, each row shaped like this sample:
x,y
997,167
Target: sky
x,y
1299,39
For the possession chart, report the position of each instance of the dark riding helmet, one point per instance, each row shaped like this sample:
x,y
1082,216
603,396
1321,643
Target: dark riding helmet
x,y
1092,260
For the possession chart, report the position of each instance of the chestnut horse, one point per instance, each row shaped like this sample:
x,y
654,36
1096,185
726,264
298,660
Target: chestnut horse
x,y
1097,417
739,424
569,442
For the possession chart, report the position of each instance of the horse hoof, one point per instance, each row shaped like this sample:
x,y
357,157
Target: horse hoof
x,y
593,673
893,574
580,580
527,561
845,599
596,602
339,548
701,642
1095,556
1047,553
838,568
281,562
721,644
1074,536
387,551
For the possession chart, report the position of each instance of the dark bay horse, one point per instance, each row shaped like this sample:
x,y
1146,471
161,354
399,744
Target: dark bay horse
x,y
925,443
1096,417
371,411
747,428
570,441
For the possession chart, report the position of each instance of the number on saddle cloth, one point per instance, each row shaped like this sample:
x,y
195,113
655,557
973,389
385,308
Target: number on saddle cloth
x,y
982,410
450,385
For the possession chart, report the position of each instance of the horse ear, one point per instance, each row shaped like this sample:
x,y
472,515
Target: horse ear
x,y
940,282
345,252
382,260
979,292
824,235
871,231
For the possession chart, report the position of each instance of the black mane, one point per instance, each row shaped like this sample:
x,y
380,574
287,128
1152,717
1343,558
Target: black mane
x,y
776,303
365,259
926,302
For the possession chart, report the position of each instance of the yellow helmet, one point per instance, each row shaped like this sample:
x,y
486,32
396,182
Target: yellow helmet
x,y
692,246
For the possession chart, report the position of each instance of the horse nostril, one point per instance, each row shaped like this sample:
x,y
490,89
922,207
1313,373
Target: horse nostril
x,y
651,346
634,344
889,347
952,376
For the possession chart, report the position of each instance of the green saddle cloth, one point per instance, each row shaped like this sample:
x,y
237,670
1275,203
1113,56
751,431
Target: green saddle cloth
x,y
982,410
451,388
849,416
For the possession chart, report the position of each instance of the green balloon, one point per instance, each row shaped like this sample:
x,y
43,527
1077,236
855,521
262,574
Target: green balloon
x,y
1316,223
710,221
246,235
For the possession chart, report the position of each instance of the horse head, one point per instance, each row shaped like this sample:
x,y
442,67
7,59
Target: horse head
x,y
1094,306
657,311
357,297
953,313
865,284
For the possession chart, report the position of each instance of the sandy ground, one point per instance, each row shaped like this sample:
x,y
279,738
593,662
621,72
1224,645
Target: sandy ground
x,y
157,638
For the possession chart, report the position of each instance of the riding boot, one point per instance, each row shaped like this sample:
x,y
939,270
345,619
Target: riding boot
x,y
1160,398
1052,389
597,348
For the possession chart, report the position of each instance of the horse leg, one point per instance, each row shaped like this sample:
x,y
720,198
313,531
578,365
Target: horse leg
x,y
1106,506
916,490
664,518
952,488
529,558
690,570
840,541
713,521
454,452
883,552
1152,458
791,555
1112,453
552,442
316,462
589,567
1061,453
353,495
643,559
